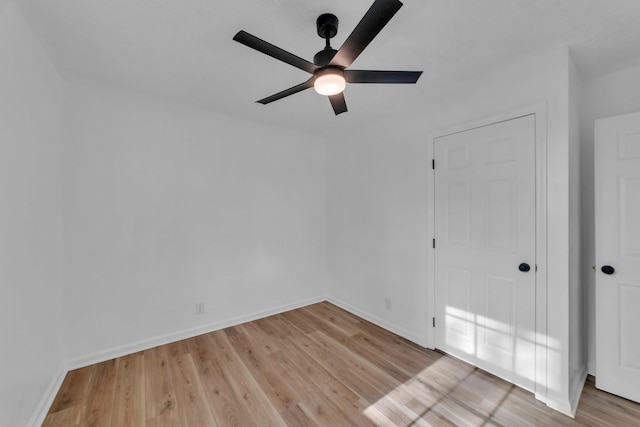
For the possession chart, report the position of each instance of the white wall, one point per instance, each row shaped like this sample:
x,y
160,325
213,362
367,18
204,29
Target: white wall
x,y
605,96
30,220
377,242
168,206
377,202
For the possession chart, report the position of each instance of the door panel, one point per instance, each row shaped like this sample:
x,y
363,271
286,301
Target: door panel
x,y
629,146
629,208
498,330
500,216
628,319
460,322
458,199
485,227
617,198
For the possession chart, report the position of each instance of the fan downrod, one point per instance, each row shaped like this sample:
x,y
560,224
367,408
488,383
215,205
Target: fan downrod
x,y
327,25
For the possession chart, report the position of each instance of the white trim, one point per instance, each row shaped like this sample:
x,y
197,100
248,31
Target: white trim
x,y
496,118
575,391
123,350
413,337
562,406
431,260
40,413
539,111
569,407
541,253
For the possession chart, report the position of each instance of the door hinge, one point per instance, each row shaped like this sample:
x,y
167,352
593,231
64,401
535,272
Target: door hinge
x,y
433,163
434,243
434,321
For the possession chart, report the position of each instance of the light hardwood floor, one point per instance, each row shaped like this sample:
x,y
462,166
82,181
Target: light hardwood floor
x,y
317,365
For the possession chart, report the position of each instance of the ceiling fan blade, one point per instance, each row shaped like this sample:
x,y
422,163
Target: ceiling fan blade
x,y
378,15
274,51
369,76
338,103
287,92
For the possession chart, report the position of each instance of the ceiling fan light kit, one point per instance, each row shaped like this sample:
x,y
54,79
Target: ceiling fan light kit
x,y
329,67
329,81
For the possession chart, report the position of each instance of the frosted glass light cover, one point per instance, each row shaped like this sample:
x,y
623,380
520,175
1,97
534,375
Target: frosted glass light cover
x,y
329,84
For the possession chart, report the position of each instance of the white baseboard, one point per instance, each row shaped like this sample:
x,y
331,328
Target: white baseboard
x,y
120,351
47,398
591,369
569,406
421,341
560,405
575,390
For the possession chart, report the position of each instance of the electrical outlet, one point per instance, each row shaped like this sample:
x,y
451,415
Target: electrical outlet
x,y
199,308
387,303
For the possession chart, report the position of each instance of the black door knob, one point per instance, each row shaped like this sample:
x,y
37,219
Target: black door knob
x,y
607,269
524,267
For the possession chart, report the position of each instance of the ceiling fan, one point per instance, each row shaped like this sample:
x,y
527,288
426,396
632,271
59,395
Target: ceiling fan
x,y
329,69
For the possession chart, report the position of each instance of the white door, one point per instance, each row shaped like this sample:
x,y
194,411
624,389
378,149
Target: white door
x,y
617,198
485,232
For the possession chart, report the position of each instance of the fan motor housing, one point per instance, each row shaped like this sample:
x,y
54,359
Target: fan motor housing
x,y
327,25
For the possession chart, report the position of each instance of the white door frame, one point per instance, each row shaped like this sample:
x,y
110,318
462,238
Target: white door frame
x,y
540,113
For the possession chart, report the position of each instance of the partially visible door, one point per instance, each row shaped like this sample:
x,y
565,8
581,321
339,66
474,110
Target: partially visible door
x,y
485,247
617,200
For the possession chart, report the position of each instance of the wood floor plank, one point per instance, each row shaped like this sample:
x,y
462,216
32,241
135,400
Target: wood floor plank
x,y
160,394
427,413
314,366
445,374
598,408
97,409
346,325
366,378
407,357
261,341
291,340
69,416
314,403
518,411
349,403
226,405
193,407
129,395
481,391
378,358
255,400
345,365
73,389
280,392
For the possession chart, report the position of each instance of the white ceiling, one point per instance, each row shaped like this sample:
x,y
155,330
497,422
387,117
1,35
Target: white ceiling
x,y
183,49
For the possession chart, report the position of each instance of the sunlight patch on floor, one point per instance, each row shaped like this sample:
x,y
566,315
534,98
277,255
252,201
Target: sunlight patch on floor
x,y
411,403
